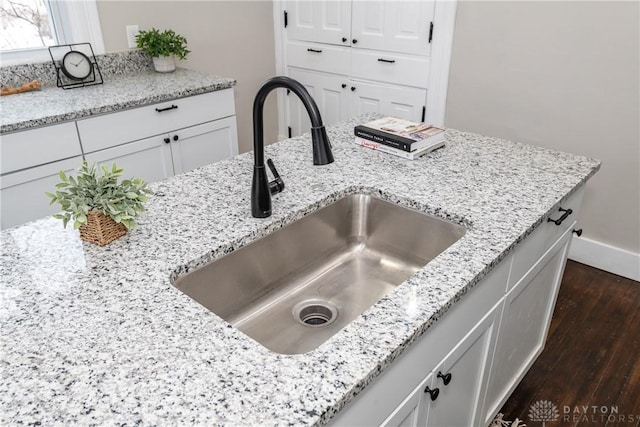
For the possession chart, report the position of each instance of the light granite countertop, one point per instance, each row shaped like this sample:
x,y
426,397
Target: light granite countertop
x,y
52,104
98,335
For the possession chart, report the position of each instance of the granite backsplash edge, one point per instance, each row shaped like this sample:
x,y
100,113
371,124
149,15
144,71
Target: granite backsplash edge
x,y
111,64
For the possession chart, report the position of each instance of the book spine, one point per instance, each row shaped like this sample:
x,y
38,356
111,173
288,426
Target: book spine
x,y
385,138
384,148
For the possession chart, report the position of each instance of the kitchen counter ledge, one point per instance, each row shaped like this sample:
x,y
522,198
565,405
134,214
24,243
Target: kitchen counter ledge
x,y
98,335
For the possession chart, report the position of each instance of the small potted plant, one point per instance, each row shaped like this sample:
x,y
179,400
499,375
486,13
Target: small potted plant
x,y
163,47
99,206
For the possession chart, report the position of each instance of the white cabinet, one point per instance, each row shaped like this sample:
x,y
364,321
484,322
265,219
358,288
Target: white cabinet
x,y
31,161
162,156
22,193
399,101
460,378
367,55
330,93
458,344
448,396
38,146
392,26
339,98
322,21
161,140
372,24
149,159
486,342
110,130
407,414
201,145
152,142
525,322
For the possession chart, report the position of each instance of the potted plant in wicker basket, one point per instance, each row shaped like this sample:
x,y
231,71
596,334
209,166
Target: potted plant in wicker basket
x,y
99,206
163,48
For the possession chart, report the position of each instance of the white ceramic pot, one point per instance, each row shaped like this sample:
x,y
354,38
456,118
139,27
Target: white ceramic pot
x,y
164,64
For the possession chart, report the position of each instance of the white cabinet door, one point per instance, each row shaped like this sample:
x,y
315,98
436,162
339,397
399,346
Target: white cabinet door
x,y
399,101
149,159
203,144
22,194
450,394
410,413
328,92
459,378
324,21
524,325
393,26
446,344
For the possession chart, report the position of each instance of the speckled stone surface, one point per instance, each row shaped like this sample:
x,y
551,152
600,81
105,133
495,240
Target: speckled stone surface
x,y
110,64
55,105
98,336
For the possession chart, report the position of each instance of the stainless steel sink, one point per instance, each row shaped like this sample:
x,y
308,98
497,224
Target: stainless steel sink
x,y
295,288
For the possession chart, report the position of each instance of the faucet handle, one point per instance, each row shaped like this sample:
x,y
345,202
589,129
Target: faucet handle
x,y
277,185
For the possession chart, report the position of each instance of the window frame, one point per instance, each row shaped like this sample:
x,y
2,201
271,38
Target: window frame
x,y
75,22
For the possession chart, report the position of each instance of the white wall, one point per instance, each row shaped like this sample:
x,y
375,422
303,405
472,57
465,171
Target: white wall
x,y
563,75
228,38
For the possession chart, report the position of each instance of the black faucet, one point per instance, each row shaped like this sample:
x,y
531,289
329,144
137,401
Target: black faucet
x,y
261,188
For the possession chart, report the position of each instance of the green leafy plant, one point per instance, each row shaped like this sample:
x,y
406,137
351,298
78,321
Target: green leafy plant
x,y
166,43
88,191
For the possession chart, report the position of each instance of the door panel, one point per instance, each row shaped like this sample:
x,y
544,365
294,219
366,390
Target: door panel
x,y
391,26
149,159
203,144
327,91
398,101
324,21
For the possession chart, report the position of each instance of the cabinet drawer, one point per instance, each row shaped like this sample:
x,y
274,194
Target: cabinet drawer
x,y
318,57
113,129
392,68
538,242
38,146
22,194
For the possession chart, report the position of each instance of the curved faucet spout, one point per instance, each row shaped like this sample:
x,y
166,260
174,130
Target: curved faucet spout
x,y
322,155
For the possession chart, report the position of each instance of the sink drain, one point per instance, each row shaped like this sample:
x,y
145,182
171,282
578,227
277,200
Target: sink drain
x,y
315,313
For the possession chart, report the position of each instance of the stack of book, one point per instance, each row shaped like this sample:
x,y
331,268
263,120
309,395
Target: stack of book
x,y
399,137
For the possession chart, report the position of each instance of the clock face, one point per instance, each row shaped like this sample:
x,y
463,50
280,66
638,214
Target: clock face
x,y
76,65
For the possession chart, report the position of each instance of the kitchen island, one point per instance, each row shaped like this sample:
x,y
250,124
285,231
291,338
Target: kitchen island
x,y
98,335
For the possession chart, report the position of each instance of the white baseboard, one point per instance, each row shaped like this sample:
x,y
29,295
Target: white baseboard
x,y
605,257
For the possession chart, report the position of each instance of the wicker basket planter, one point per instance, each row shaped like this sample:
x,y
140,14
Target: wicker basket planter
x,y
101,229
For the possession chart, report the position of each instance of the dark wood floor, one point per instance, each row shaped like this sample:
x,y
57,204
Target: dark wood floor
x,y
592,355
